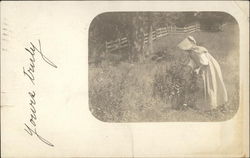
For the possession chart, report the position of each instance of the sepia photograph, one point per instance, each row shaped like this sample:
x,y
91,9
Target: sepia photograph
x,y
163,66
124,79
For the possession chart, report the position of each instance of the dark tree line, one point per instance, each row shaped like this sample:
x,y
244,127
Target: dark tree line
x,y
133,25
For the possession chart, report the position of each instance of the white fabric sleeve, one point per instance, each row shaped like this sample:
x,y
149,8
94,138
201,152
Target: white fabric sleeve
x,y
203,59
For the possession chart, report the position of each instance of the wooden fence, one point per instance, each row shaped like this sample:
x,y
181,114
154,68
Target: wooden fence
x,y
158,33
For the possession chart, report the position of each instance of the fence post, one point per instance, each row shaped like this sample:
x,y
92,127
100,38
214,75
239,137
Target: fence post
x,y
119,43
106,46
196,27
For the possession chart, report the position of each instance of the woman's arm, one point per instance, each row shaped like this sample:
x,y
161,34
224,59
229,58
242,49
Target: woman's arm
x,y
200,69
201,60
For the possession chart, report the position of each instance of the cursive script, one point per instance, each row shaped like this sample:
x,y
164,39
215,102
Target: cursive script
x,y
32,50
29,72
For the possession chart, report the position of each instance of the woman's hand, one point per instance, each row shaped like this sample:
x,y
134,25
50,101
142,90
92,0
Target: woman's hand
x,y
200,70
197,71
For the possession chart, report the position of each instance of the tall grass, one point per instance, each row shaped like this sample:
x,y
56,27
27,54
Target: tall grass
x,y
155,91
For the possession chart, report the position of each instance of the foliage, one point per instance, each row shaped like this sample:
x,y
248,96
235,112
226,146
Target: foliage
x,y
105,93
178,85
125,92
133,25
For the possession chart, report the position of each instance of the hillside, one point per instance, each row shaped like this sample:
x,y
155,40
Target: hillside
x,y
128,92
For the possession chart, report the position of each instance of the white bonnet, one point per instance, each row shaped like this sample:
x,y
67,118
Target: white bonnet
x,y
187,43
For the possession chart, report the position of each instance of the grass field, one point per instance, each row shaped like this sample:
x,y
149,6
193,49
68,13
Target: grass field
x,y
125,92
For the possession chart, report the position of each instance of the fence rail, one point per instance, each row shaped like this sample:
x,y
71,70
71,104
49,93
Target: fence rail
x,y
156,34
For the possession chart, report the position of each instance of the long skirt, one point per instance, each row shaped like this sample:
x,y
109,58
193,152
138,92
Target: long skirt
x,y
215,92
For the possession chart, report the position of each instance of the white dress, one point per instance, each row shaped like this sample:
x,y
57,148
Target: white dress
x,y
215,92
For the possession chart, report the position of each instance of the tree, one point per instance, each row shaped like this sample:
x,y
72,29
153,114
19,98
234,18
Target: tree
x,y
133,25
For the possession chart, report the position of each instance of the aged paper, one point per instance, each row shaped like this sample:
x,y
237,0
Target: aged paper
x,y
46,106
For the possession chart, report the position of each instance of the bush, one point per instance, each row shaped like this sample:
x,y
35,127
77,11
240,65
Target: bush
x,y
178,85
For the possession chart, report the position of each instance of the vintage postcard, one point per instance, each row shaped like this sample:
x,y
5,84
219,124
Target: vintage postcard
x,y
125,79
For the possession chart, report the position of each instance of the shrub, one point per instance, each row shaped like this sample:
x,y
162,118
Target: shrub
x,y
178,85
